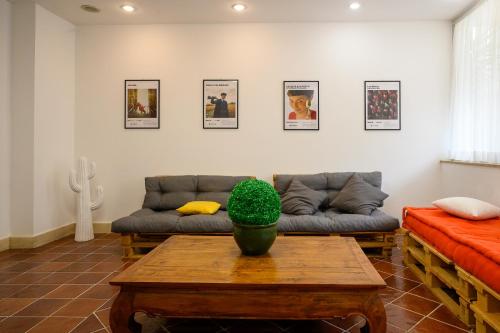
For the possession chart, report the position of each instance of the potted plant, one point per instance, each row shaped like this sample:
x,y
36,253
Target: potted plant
x,y
254,207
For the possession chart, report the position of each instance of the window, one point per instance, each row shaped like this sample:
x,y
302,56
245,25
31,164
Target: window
x,y
475,101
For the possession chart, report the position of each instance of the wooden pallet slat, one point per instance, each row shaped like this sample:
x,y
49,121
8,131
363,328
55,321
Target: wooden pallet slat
x,y
487,307
443,270
486,322
466,288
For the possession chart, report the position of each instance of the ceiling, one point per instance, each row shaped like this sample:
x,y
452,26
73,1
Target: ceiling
x,y
219,11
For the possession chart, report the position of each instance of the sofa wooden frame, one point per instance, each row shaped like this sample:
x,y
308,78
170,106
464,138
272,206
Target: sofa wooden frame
x,y
473,302
375,244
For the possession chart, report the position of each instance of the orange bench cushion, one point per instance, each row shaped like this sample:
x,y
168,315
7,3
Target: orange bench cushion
x,y
472,245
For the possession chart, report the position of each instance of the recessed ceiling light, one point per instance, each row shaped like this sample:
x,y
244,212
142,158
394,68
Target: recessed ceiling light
x,y
90,8
128,8
355,5
239,7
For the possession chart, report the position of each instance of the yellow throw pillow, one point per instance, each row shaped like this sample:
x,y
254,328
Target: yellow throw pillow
x,y
199,207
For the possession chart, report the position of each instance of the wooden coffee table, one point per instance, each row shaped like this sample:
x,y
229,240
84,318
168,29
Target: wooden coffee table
x,y
206,276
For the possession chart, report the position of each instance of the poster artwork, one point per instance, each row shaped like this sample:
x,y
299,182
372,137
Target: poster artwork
x,y
220,104
382,105
142,104
301,105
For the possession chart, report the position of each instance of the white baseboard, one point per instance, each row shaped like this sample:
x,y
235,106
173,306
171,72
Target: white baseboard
x,y
28,242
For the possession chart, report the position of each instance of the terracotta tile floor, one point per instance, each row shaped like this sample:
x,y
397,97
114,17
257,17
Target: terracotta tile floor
x,y
63,287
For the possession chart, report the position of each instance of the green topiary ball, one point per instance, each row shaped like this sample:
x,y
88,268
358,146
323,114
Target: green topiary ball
x,y
254,202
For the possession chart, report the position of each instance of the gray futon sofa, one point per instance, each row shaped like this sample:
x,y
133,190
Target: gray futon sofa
x,y
158,218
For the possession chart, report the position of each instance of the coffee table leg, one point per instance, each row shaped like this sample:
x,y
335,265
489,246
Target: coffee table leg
x,y
375,317
121,317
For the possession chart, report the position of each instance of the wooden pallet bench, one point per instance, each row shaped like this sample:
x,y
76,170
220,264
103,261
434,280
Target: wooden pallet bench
x,y
469,299
375,244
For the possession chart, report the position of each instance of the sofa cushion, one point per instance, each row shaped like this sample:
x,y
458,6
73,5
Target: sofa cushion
x,y
333,221
169,192
329,221
377,221
330,182
170,221
358,197
316,182
147,220
468,208
301,200
318,223
217,188
337,180
219,222
199,207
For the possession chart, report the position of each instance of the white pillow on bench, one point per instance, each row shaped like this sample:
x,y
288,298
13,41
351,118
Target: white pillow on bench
x,y
468,208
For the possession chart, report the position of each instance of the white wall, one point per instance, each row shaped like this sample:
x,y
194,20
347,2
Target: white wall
x,y
5,14
22,117
341,56
471,181
54,120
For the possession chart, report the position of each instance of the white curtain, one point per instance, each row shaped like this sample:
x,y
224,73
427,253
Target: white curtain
x,y
475,103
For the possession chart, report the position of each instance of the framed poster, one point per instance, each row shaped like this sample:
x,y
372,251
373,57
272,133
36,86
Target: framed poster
x,y
142,104
220,104
382,105
301,105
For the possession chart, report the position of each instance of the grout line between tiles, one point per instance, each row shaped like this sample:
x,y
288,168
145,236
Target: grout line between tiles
x,y
328,323
55,317
12,315
416,324
427,299
449,324
407,310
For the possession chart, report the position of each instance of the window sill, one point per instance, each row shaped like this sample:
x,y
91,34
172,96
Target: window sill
x,y
491,165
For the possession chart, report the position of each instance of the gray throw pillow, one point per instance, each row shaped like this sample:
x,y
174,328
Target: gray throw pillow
x,y
301,200
358,197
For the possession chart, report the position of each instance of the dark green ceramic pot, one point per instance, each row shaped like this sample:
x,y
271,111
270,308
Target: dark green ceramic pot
x,y
254,240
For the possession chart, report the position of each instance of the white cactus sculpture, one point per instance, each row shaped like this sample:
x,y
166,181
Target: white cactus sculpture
x,y
79,181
